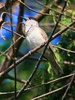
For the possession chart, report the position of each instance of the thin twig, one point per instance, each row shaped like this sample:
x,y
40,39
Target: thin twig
x,y
63,30
69,63
13,32
63,49
7,62
10,47
34,10
56,10
30,88
13,56
17,79
41,96
55,80
69,85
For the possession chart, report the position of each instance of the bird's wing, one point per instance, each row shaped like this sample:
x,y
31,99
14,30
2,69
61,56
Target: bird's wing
x,y
44,35
46,38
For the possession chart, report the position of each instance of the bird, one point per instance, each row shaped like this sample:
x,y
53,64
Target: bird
x,y
35,36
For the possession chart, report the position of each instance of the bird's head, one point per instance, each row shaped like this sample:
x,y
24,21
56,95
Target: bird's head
x,y
30,22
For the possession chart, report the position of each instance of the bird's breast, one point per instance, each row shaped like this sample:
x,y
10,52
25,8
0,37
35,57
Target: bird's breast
x,y
34,39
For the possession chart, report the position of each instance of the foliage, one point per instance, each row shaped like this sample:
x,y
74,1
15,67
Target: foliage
x,y
44,73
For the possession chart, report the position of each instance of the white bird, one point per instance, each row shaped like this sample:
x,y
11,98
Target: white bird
x,y
36,36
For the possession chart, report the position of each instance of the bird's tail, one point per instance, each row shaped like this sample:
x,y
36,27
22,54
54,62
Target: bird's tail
x,y
54,64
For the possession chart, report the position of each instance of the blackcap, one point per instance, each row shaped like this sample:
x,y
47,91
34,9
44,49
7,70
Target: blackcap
x,y
36,36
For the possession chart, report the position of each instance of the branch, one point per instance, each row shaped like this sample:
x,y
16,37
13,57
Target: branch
x,y
41,12
69,85
63,49
69,63
41,96
7,62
